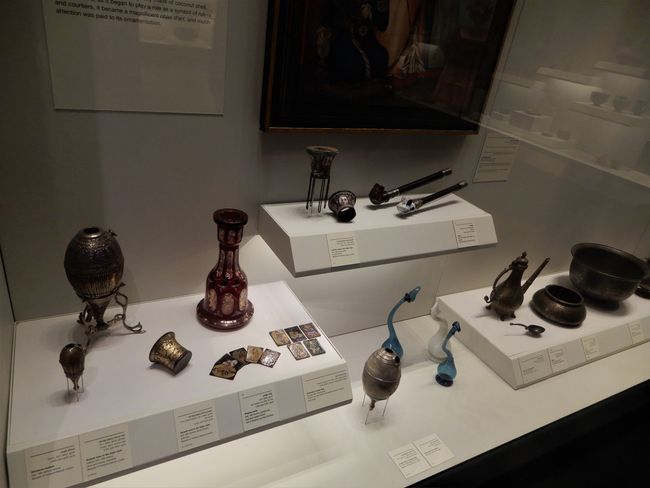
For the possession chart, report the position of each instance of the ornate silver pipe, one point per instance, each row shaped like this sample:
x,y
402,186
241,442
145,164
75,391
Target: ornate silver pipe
x,y
408,205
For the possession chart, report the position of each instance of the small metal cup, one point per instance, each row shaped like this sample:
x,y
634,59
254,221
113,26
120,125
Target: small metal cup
x,y
342,204
168,352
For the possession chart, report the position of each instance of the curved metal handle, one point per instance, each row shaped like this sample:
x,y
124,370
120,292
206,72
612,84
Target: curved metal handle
x,y
494,285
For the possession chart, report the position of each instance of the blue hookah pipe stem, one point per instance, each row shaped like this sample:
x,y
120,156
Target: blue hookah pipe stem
x,y
393,342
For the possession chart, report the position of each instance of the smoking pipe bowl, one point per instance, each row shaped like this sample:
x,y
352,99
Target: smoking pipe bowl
x,y
393,342
378,194
508,296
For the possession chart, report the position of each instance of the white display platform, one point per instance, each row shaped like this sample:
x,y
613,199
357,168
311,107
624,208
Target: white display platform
x,y
134,413
478,413
381,235
522,360
623,69
561,74
607,113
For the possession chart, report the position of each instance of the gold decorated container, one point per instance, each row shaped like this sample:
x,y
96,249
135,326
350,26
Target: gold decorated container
x,y
168,352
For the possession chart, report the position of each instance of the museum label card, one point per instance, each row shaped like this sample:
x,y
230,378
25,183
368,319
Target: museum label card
x,y
56,463
343,249
258,407
534,366
591,347
164,56
196,425
636,332
558,358
497,158
466,233
105,452
409,460
326,387
434,450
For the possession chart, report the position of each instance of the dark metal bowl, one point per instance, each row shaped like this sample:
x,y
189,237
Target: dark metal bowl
x,y
559,304
605,273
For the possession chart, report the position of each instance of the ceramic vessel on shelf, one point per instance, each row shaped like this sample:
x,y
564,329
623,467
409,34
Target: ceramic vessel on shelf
x,y
72,359
506,297
225,305
169,353
393,342
560,305
620,103
381,375
446,372
605,273
342,204
598,98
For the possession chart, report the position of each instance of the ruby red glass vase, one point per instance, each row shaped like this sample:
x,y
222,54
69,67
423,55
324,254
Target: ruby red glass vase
x,y
225,305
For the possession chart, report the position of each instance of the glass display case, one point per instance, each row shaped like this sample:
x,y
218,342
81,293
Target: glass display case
x,y
562,157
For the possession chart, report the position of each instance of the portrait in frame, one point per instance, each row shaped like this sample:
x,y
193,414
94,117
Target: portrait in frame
x,y
380,65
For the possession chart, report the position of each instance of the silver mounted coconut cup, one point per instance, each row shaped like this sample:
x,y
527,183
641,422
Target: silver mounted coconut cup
x,y
94,265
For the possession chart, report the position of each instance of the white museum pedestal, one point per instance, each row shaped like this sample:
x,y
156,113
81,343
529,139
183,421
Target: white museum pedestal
x,y
134,413
306,244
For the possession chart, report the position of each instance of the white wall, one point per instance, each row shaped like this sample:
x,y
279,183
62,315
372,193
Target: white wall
x,y
155,179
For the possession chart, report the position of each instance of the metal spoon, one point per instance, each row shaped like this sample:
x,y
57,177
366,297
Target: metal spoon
x,y
533,330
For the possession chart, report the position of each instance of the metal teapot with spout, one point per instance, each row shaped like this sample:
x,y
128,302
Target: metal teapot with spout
x,y
506,297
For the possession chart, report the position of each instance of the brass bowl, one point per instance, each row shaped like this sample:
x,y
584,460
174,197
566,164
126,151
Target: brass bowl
x,y
605,273
560,305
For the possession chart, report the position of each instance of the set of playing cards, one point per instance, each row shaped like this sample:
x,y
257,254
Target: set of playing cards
x,y
300,340
228,365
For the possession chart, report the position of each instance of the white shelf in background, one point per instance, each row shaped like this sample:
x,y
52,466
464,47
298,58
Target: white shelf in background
x,y
380,234
538,138
624,118
565,75
622,69
516,80
565,148
522,360
133,413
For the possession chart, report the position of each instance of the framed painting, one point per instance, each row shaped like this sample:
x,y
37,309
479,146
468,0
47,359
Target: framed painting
x,y
380,65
